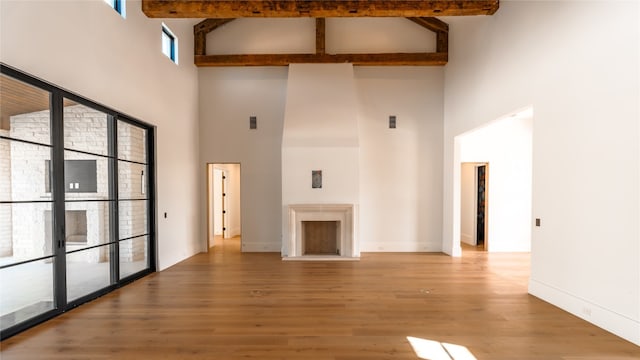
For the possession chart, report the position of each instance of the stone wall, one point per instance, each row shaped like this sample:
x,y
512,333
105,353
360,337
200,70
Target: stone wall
x,y
27,227
6,246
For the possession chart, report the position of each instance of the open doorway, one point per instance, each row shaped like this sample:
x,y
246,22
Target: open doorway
x,y
494,179
223,202
474,205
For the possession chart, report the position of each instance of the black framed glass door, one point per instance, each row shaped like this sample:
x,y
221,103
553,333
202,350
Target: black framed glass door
x,y
77,212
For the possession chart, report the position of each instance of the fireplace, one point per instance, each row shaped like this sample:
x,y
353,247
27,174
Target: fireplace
x,y
320,238
322,232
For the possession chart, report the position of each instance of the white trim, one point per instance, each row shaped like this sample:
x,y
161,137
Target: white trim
x,y
618,324
346,214
260,247
395,246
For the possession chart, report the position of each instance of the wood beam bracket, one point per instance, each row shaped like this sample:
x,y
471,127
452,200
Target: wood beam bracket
x,y
438,58
200,31
437,26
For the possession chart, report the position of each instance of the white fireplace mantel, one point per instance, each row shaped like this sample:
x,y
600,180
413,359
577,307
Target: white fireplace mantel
x,y
346,214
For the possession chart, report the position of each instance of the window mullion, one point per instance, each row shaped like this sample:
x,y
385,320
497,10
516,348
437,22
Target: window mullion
x,y
112,138
58,190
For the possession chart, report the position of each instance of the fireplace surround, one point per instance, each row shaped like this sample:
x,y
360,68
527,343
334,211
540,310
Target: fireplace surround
x,y
347,238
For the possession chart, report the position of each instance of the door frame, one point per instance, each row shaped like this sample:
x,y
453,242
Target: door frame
x,y
210,172
486,203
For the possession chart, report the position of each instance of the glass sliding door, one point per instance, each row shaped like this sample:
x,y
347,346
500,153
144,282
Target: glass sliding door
x,y
89,199
133,199
27,253
77,213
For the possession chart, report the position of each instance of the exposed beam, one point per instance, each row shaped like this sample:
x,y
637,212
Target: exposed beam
x,y
442,42
316,8
439,27
320,36
395,59
200,31
431,23
209,25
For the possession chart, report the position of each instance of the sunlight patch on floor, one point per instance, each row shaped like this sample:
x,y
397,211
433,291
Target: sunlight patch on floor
x,y
435,350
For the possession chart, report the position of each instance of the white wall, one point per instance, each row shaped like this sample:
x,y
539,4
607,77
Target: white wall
x,y
320,133
579,70
87,48
506,146
217,203
400,169
298,35
228,97
468,198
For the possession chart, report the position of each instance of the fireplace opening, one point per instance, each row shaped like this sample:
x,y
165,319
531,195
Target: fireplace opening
x,y
321,237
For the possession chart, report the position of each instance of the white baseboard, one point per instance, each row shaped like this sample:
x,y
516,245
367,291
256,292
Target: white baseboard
x,y
261,247
468,239
400,247
620,325
235,232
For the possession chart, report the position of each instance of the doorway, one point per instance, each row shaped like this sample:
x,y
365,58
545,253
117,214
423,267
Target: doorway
x,y
223,202
502,222
474,205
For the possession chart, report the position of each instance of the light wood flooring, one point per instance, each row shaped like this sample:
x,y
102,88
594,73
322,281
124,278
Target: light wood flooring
x,y
228,305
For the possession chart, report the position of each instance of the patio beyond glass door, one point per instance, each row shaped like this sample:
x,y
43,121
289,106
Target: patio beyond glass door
x,y
27,252
88,200
76,200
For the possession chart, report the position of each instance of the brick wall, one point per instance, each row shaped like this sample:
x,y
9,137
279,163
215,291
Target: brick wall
x,y
84,129
6,246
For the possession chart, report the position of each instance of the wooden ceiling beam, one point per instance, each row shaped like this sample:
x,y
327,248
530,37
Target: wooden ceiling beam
x,y
438,26
392,59
320,36
200,31
209,25
221,9
434,24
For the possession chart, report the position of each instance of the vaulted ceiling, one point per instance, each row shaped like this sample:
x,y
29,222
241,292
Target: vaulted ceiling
x,y
217,13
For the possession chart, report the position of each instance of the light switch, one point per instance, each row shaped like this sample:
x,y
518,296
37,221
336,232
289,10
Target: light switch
x,y
392,122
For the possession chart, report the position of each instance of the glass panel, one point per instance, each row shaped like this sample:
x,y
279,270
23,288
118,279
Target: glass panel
x,y
166,44
133,218
132,142
26,291
87,271
24,111
133,256
86,177
132,180
25,232
24,171
85,129
86,224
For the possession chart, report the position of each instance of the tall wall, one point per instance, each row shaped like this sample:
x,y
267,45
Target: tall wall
x,y
228,97
576,63
400,169
120,65
506,146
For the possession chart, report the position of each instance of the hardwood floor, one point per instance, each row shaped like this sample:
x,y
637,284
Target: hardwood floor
x,y
228,305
